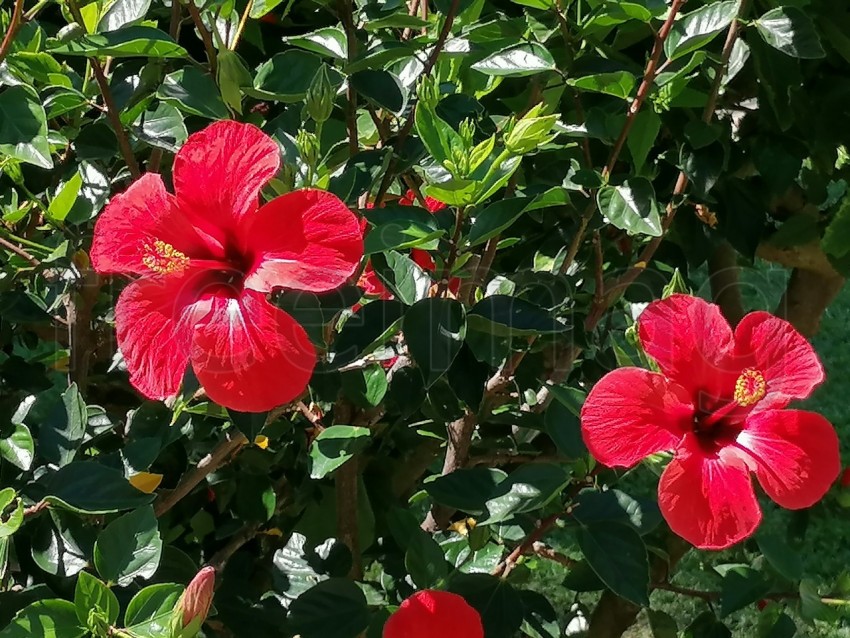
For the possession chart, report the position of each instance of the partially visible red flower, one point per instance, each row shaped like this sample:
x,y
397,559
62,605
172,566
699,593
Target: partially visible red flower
x,y
206,259
718,403
369,282
434,614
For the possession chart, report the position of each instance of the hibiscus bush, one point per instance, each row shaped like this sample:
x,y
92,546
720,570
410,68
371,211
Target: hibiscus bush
x,y
448,318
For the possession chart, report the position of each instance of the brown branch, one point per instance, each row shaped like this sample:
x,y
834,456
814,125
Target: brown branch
x,y
220,455
35,509
205,34
457,454
454,248
346,481
20,252
649,75
544,551
79,308
112,112
408,124
543,527
347,18
508,458
14,25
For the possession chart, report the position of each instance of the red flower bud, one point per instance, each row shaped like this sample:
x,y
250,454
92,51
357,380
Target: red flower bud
x,y
198,596
761,604
845,477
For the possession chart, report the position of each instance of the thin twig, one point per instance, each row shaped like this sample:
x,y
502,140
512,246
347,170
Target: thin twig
x,y
649,75
242,22
347,18
220,455
205,34
543,527
408,124
14,25
454,248
20,252
111,111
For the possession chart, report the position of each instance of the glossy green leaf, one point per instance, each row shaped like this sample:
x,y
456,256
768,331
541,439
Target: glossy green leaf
x,y
328,41
92,488
122,13
193,91
741,586
631,206
366,329
402,276
149,612
506,316
129,42
23,127
162,127
90,595
435,330
335,607
791,31
11,512
287,76
424,560
130,547
617,83
334,446
18,448
382,88
494,599
618,556
697,28
45,619
517,61
526,489
466,489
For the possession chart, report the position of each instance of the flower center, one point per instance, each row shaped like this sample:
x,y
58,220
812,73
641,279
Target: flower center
x,y
750,387
163,258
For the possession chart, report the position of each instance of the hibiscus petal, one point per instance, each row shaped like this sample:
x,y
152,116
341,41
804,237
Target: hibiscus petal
x,y
218,174
154,319
708,499
305,240
784,356
249,355
692,344
794,455
431,614
632,413
134,221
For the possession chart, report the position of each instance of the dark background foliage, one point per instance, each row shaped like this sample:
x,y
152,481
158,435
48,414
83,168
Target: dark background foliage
x,y
595,155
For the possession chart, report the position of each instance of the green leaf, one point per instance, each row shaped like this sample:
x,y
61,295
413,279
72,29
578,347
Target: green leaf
x,y
563,427
329,41
259,8
435,133
662,624
424,560
61,421
618,556
834,242
381,87
631,207
18,448
65,198
402,276
11,517
506,316
741,586
617,83
92,488
334,446
526,489
698,28
435,330
298,565
466,489
23,127
399,226
365,387
287,76
496,217
162,127
130,547
129,42
517,61
642,136
91,594
123,12
193,91
781,556
52,618
335,607
706,625
149,613
61,545
791,31
614,506
497,602
366,329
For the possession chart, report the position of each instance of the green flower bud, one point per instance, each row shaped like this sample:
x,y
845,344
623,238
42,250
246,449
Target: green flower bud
x,y
320,96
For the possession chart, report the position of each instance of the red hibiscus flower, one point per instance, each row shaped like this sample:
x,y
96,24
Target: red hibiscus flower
x,y
718,403
369,282
432,614
207,256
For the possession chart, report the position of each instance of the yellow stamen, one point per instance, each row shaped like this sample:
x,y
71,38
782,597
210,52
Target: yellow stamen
x,y
750,387
163,258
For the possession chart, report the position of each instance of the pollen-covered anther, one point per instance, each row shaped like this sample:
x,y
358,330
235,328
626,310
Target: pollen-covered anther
x,y
163,258
750,387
